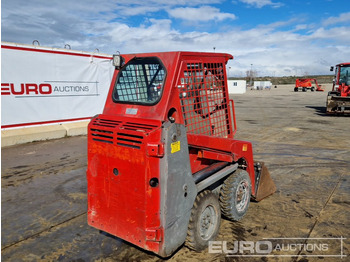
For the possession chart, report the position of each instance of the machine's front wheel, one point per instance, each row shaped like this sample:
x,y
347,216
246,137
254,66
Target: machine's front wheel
x,y
204,222
235,195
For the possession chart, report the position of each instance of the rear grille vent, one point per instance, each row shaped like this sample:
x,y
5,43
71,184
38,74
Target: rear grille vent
x,y
106,122
138,127
126,134
102,135
128,140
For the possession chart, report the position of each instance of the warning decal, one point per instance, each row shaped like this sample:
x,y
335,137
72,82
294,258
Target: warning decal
x,y
175,146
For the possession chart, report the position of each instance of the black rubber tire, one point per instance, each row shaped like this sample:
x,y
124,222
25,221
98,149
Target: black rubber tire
x,y
234,205
296,89
304,89
312,89
205,203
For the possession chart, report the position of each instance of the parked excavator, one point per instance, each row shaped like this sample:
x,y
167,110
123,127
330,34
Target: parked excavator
x,y
307,83
338,100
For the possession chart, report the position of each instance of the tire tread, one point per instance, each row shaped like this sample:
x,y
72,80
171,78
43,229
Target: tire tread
x,y
226,197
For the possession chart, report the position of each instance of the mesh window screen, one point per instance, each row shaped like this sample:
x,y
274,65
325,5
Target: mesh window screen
x,y
203,99
344,77
140,81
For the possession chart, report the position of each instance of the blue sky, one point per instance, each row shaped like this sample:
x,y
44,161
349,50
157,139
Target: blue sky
x,y
278,37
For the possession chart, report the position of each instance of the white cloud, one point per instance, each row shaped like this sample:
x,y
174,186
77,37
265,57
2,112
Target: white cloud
x,y
157,32
126,11
261,3
270,51
336,34
301,27
110,26
342,18
203,13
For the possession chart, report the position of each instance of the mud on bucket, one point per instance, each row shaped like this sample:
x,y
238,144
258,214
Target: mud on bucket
x,y
264,185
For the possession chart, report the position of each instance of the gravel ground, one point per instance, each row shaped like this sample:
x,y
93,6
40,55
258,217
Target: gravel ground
x,y
43,190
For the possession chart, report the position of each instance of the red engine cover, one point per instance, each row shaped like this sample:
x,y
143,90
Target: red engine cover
x,y
122,159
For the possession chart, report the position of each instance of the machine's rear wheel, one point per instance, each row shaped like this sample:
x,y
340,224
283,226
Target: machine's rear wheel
x,y
296,89
235,195
204,222
304,89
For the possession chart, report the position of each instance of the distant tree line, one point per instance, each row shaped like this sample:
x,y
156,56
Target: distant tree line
x,y
284,80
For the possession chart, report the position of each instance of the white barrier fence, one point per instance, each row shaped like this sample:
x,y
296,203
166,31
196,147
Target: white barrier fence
x,y
46,85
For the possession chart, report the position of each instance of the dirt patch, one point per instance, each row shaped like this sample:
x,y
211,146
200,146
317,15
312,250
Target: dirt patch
x,y
306,151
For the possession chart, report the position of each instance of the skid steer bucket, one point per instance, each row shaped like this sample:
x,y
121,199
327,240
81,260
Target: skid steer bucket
x,y
338,104
264,185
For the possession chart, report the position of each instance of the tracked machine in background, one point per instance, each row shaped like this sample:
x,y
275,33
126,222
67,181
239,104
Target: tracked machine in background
x,y
307,83
338,100
163,164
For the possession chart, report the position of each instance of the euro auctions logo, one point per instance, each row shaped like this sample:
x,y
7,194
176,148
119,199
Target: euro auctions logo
x,y
280,247
26,89
50,89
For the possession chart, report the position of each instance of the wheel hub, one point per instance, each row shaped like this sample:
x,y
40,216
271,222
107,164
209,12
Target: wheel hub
x,y
242,195
207,222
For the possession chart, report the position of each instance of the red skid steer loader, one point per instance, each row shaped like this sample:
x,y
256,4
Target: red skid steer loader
x,y
163,164
338,100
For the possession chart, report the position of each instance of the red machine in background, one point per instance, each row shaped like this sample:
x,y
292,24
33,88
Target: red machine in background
x,y
163,164
307,83
338,100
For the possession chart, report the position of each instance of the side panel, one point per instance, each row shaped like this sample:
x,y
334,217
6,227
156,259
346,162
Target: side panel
x,y
178,190
238,149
